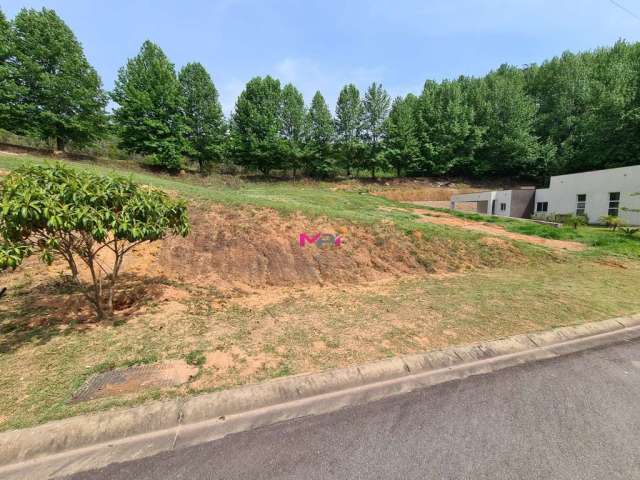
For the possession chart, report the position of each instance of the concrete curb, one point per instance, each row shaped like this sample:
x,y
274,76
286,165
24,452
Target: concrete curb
x,y
92,441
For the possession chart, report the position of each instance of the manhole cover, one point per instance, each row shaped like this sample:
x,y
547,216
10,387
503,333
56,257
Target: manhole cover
x,y
134,379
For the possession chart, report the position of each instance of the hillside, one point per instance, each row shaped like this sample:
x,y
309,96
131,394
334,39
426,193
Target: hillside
x,y
248,303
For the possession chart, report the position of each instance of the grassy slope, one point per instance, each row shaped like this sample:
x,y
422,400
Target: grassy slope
x,y
601,239
305,330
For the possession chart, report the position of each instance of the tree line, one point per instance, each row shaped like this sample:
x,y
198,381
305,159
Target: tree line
x,y
575,112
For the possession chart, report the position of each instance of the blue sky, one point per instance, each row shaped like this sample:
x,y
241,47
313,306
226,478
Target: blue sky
x,y
325,44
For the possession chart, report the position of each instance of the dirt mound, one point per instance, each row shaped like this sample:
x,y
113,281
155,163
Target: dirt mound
x,y
258,248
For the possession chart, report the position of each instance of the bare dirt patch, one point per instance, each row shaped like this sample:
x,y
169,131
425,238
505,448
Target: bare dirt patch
x,y
248,248
441,218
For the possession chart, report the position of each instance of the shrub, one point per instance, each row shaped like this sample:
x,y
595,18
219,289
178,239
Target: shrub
x,y
611,221
574,221
59,211
630,231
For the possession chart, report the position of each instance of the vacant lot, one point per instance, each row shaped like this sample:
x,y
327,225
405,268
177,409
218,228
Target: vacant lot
x,y
242,298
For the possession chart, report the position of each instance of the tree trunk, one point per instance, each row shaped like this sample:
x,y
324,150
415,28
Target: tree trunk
x,y
373,173
398,171
60,142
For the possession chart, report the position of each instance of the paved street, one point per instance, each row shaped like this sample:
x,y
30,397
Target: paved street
x,y
576,418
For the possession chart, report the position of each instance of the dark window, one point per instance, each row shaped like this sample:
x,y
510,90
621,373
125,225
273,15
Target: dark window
x,y
503,207
542,207
582,203
614,204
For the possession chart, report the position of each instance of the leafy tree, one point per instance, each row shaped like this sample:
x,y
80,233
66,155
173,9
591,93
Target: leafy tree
x,y
375,110
9,87
203,115
256,125
507,116
149,116
82,217
61,95
401,143
293,126
448,135
320,133
348,126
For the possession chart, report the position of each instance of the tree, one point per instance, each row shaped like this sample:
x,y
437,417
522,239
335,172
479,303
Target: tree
x,y
203,115
401,143
149,116
447,132
61,94
256,125
293,126
507,116
79,216
9,87
375,110
348,127
319,137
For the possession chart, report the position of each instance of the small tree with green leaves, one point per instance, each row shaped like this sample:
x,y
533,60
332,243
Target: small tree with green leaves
x,y
612,221
575,221
82,217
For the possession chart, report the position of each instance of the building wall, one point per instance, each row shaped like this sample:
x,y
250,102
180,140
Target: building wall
x,y
563,191
522,202
500,197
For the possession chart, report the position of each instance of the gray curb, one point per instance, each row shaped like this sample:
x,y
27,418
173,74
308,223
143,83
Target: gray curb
x,y
92,441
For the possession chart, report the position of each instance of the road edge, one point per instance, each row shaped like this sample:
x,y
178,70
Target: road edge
x,y
92,441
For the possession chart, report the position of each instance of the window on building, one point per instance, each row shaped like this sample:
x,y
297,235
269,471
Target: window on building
x,y
582,203
542,207
614,204
503,207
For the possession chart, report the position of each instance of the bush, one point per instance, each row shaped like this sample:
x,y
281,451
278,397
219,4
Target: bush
x,y
611,221
574,221
59,211
630,231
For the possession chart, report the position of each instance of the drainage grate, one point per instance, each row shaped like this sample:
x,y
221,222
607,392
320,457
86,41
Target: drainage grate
x,y
134,379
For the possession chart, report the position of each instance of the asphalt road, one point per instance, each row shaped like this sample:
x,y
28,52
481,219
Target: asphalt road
x,y
576,417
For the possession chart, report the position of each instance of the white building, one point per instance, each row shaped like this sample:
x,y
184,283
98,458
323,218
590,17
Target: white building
x,y
593,194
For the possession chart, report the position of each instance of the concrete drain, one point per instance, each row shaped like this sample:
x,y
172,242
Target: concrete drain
x,y
134,379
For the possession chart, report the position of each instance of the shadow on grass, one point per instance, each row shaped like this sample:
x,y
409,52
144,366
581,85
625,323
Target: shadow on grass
x,y
58,307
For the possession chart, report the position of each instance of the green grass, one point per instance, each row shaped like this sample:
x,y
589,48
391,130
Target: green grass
x,y
313,199
305,331
602,239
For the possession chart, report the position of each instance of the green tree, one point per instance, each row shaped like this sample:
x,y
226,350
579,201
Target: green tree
x,y
375,108
82,217
9,87
62,96
507,115
149,116
203,115
401,143
447,133
348,126
293,127
256,126
320,134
